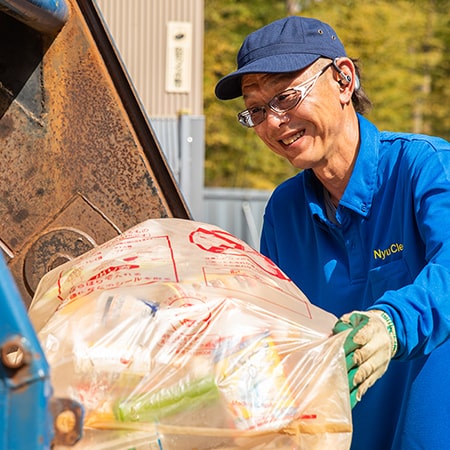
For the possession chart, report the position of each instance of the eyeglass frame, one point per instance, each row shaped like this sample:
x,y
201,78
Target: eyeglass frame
x,y
303,89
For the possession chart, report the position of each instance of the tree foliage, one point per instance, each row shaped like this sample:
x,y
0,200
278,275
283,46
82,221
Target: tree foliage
x,y
401,46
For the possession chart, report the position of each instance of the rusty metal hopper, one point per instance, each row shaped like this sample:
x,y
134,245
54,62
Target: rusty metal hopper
x,y
79,161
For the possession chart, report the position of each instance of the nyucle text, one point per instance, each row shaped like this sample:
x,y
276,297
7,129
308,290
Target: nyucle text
x,y
392,249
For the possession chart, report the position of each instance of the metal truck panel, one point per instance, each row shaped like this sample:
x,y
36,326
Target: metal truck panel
x,y
79,161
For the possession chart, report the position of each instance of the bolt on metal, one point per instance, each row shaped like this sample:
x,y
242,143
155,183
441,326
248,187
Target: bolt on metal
x,y
13,353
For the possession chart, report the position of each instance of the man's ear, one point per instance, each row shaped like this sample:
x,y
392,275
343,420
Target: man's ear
x,y
346,77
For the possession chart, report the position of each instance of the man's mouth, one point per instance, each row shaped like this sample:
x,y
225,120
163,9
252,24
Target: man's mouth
x,y
292,139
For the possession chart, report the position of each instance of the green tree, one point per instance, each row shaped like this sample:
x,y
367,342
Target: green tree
x,y
234,155
402,47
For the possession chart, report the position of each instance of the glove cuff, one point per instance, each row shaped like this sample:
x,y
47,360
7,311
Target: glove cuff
x,y
390,327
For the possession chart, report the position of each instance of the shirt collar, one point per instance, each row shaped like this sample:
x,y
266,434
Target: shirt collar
x,y
358,194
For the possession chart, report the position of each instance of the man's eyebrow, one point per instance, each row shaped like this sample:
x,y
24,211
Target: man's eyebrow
x,y
272,78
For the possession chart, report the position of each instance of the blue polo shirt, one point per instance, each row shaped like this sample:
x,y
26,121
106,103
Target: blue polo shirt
x,y
389,249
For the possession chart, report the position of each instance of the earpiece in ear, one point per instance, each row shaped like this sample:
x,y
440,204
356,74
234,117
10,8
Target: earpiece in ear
x,y
344,79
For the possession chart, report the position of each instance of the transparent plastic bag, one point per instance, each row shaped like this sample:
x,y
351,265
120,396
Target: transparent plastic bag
x,y
180,336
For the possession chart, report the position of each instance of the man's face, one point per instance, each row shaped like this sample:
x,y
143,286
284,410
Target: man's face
x,y
307,134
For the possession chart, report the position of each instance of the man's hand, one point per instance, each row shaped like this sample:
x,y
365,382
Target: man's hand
x,y
369,348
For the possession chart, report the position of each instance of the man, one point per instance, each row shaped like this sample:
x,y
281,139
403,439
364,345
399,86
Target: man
x,y
363,229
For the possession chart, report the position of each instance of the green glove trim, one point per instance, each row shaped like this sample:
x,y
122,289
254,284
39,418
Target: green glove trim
x,y
392,332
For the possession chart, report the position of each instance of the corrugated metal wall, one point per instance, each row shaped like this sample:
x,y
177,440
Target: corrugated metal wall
x,y
139,29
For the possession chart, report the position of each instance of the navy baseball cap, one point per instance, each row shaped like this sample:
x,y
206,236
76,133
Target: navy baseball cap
x,y
286,45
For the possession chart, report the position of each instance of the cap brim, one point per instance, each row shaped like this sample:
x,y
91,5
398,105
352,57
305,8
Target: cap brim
x,y
229,86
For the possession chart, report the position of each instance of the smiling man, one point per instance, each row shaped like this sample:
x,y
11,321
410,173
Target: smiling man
x,y
363,229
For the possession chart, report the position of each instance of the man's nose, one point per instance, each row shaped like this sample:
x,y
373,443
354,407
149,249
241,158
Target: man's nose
x,y
276,117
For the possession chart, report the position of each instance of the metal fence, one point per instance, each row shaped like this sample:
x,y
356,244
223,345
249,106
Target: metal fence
x,y
238,211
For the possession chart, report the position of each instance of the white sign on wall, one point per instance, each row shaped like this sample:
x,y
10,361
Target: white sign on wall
x,y
179,57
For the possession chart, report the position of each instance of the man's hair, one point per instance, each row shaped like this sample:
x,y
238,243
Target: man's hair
x,y
360,100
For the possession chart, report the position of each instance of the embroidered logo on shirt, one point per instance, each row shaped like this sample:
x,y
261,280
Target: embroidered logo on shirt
x,y
382,254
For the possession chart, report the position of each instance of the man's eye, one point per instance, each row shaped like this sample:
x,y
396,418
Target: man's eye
x,y
286,96
255,110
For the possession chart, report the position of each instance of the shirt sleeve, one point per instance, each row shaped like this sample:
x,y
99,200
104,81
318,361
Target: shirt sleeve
x,y
421,310
267,246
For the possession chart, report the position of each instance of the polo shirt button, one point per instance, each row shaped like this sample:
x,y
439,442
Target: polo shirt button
x,y
363,208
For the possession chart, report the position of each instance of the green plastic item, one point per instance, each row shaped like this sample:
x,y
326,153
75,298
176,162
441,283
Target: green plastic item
x,y
150,407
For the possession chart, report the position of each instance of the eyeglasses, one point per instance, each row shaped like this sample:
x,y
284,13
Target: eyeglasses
x,y
281,103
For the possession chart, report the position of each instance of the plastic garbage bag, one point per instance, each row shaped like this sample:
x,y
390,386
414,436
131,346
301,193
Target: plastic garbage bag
x,y
178,335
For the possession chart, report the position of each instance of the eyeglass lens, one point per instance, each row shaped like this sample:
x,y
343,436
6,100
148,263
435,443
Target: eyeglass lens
x,y
281,103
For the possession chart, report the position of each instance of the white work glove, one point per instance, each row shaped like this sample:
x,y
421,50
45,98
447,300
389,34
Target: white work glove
x,y
369,348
